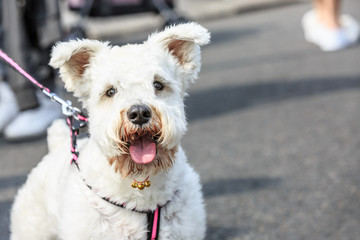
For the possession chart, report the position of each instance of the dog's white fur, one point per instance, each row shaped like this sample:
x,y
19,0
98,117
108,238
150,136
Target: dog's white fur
x,y
55,202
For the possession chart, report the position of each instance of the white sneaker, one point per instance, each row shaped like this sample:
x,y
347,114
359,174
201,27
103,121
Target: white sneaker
x,y
34,122
330,39
8,105
352,28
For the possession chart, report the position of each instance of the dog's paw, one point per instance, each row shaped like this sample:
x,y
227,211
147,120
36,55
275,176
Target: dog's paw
x,y
57,134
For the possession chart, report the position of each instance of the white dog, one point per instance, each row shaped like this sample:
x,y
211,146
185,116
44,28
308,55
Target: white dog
x,y
134,98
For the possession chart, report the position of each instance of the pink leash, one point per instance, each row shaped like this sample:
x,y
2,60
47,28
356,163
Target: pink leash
x,y
155,225
13,64
71,112
67,108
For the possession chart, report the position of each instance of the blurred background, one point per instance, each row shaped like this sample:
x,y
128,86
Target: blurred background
x,y
274,121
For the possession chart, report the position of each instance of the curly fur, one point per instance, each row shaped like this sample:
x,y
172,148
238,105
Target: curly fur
x,y
56,202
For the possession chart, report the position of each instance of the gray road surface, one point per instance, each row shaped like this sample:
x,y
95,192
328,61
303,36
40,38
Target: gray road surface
x,y
274,131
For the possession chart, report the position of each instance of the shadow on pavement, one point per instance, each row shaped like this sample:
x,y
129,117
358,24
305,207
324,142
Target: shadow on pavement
x,y
234,186
12,181
5,219
25,141
5,206
222,100
232,35
216,233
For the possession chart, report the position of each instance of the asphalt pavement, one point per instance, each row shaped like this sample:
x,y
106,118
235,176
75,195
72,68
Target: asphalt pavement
x,y
274,131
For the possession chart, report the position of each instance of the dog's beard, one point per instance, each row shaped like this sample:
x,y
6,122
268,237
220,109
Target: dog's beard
x,y
126,166
128,133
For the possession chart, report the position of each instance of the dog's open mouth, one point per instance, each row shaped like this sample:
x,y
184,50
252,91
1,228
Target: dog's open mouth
x,y
143,149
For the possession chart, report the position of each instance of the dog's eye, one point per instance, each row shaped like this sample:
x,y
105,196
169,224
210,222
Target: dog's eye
x,y
158,85
111,92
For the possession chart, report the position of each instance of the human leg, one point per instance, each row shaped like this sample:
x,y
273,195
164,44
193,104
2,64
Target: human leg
x,y
327,28
328,13
30,50
16,46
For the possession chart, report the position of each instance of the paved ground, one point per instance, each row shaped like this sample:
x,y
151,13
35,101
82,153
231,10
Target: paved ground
x,y
274,131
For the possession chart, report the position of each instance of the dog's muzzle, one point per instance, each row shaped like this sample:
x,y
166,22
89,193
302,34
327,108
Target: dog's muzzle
x,y
142,147
139,114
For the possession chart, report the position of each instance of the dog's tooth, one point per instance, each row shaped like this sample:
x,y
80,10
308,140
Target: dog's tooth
x,y
133,136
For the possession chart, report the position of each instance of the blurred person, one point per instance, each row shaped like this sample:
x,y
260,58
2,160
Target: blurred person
x,y
30,27
326,27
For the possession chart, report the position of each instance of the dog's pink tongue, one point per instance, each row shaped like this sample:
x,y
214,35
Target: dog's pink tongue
x,y
142,150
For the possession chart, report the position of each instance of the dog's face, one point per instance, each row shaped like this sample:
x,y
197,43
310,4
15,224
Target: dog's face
x,y
134,93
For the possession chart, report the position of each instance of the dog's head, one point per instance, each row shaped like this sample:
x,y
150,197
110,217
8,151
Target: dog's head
x,y
134,93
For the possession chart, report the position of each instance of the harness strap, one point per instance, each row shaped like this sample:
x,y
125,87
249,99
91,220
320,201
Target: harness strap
x,y
153,217
153,224
74,131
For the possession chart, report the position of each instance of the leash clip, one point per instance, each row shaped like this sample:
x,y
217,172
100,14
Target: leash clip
x,y
69,110
66,106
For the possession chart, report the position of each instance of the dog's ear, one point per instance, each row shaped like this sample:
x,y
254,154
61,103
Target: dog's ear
x,y
183,43
72,59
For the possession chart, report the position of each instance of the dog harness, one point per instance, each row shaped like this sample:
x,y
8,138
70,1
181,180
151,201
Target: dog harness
x,y
76,120
153,217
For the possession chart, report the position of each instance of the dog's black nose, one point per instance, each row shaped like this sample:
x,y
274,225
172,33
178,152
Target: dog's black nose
x,y
139,114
